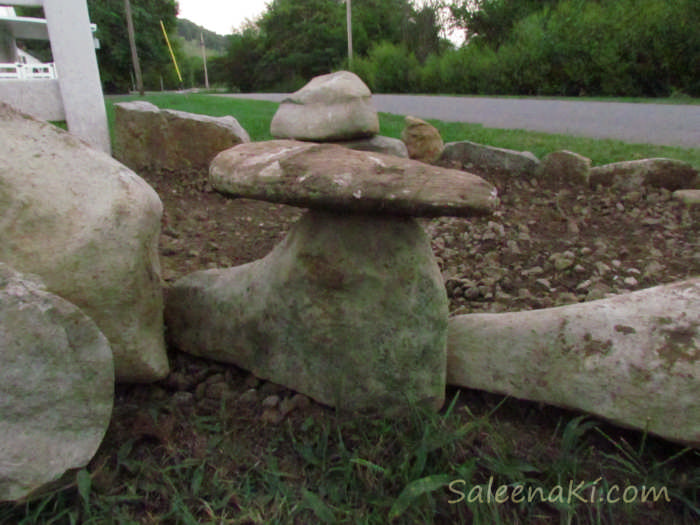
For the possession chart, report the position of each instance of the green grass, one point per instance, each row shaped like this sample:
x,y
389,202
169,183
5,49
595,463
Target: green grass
x,y
255,117
419,468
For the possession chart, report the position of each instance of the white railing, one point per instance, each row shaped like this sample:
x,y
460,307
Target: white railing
x,y
20,71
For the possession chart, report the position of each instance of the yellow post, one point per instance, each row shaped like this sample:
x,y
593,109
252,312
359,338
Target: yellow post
x,y
172,55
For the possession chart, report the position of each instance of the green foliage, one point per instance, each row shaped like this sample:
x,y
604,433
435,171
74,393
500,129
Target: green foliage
x,y
389,68
192,32
575,47
299,39
491,22
295,40
239,65
114,55
378,20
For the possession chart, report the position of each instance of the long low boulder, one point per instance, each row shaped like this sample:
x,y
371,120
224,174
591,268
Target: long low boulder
x,y
633,359
631,175
473,155
146,137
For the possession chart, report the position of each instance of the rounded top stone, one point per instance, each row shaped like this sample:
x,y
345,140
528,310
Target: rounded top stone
x,y
331,177
330,89
332,107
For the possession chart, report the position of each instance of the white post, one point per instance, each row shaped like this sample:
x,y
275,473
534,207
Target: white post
x,y
204,58
73,52
349,24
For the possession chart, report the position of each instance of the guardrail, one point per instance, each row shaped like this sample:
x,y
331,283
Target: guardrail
x,y
19,71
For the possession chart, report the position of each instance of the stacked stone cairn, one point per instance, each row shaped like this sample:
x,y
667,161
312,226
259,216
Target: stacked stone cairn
x,y
350,308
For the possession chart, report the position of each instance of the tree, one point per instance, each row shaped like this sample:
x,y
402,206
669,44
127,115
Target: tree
x,y
114,56
239,65
300,39
492,21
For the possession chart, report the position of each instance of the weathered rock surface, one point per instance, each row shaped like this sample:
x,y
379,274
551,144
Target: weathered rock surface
x,y
688,197
332,107
56,386
348,309
146,137
378,144
89,227
466,153
633,359
565,166
329,176
631,175
423,140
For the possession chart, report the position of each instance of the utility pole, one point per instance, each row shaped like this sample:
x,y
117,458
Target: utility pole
x,y
132,44
349,24
204,58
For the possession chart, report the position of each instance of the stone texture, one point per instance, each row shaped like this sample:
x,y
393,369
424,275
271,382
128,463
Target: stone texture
x,y
423,140
565,166
56,386
89,227
337,106
631,175
378,144
349,309
332,177
146,137
688,197
633,359
471,154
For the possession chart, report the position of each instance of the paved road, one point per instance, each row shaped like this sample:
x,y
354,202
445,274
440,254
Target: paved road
x,y
672,125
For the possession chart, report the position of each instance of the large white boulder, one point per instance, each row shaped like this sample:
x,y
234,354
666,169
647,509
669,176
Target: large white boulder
x,y
89,227
633,359
56,386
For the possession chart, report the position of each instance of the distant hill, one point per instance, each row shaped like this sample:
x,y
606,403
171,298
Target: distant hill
x,y
190,32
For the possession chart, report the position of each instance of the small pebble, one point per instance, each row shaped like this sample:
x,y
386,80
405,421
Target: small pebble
x,y
271,401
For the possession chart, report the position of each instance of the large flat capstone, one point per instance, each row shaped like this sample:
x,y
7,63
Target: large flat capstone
x,y
328,176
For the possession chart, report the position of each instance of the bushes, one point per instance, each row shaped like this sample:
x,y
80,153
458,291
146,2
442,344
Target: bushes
x,y
565,47
571,48
389,68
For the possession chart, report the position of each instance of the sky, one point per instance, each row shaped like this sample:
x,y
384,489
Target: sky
x,y
220,16
223,16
